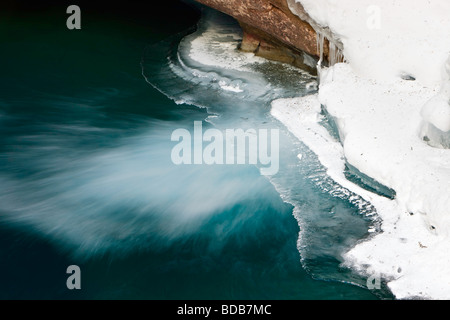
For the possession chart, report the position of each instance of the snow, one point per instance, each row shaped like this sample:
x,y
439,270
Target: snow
x,y
407,36
390,103
436,111
378,129
392,39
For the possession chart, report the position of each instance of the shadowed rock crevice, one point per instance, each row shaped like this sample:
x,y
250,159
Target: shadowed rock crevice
x,y
261,44
272,31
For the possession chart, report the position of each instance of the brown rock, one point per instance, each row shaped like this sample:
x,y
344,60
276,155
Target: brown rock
x,y
270,28
268,47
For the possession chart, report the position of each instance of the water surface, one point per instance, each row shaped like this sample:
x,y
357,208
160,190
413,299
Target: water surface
x,y
86,176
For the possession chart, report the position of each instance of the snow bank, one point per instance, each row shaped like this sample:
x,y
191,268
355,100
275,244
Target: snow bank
x,y
385,39
392,39
390,105
379,129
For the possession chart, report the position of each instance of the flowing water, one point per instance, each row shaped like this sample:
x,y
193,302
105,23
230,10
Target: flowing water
x,y
86,176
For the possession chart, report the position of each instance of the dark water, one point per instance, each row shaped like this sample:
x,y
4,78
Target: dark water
x,y
86,176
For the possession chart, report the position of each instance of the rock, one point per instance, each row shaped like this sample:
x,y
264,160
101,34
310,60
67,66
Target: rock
x,y
265,46
270,29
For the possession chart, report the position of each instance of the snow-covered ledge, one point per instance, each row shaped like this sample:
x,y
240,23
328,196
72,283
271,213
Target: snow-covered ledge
x,y
392,89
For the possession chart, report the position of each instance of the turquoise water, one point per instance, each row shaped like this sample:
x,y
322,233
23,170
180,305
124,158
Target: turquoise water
x,y
86,176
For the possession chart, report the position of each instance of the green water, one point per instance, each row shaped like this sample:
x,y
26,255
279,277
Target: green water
x,y
86,177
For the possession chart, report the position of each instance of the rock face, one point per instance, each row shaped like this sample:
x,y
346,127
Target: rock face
x,y
271,30
265,45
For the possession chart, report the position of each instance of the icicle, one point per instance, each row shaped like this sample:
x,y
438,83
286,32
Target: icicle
x,y
335,54
320,38
331,53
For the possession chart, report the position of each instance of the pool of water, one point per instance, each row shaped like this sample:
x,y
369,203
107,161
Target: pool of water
x,y
86,175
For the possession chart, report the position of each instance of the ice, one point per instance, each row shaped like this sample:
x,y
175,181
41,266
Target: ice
x,y
323,34
380,146
320,43
389,104
301,180
223,41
